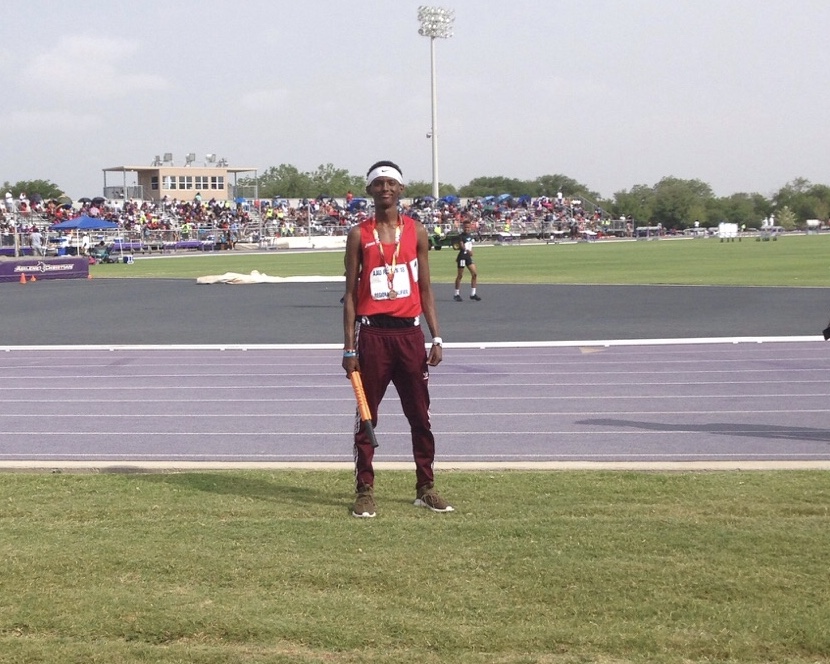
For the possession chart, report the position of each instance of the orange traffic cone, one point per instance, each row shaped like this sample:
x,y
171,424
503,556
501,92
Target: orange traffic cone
x,y
32,278
22,277
89,275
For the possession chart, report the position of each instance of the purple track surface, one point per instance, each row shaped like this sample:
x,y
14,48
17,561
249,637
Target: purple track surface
x,y
733,403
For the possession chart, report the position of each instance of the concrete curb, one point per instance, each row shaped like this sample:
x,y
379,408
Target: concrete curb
x,y
444,466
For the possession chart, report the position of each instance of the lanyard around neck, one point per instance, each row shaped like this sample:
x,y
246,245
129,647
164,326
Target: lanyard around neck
x,y
389,269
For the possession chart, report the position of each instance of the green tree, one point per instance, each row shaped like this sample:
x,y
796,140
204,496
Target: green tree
x,y
329,181
551,185
819,203
44,188
812,203
284,181
679,203
637,203
804,200
786,218
791,190
419,188
288,182
742,209
762,206
495,186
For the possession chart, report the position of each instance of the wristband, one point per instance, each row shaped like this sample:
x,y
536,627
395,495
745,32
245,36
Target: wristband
x,y
437,341
350,353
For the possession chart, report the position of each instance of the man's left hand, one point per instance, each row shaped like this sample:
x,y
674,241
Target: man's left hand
x,y
436,354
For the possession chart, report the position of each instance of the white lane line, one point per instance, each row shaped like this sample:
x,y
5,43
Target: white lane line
x,y
550,397
727,430
435,416
483,345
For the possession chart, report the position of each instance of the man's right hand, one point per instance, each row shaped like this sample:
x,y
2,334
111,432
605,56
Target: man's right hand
x,y
350,364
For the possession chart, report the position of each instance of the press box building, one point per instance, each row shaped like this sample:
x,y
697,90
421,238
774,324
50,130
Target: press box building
x,y
212,179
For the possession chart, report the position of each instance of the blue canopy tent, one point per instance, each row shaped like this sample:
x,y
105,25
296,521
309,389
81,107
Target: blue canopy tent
x,y
358,204
84,223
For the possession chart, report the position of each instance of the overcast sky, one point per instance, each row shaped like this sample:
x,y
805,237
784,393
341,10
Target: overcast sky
x,y
613,93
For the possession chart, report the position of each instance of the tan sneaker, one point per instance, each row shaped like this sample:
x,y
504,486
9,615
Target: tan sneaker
x,y
364,504
430,498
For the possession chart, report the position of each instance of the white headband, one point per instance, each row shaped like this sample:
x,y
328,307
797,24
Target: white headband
x,y
384,172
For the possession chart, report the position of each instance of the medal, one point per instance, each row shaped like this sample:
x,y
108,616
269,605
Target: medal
x,y
390,269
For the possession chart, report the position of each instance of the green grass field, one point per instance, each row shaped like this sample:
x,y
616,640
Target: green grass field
x,y
790,261
555,567
550,567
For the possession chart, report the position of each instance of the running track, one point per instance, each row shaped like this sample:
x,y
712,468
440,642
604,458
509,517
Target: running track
x,y
732,401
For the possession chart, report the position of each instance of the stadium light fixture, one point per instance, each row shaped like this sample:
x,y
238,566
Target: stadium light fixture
x,y
436,23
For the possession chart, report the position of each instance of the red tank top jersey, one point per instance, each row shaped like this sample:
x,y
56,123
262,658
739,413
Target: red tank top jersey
x,y
407,304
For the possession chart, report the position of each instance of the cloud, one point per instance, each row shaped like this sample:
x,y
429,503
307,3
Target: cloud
x,y
83,64
264,100
40,121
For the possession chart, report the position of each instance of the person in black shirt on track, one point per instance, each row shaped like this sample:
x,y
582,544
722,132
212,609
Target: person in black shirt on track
x,y
465,260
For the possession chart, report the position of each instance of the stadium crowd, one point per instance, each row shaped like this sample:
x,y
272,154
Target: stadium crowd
x,y
226,223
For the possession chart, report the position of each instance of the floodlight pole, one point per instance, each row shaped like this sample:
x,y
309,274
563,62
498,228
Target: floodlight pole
x,y
436,22
434,120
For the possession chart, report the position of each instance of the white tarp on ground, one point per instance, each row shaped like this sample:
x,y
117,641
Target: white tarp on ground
x,y
257,277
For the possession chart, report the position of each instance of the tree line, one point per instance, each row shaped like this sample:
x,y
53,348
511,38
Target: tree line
x,y
672,202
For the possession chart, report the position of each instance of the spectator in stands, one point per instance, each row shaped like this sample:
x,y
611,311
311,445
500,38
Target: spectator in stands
x,y
36,240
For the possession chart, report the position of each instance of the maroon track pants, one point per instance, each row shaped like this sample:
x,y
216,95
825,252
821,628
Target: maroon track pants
x,y
397,356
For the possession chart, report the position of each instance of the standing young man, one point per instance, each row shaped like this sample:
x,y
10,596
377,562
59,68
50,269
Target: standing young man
x,y
465,259
387,289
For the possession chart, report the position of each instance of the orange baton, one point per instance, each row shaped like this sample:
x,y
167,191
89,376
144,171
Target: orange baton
x,y
363,407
